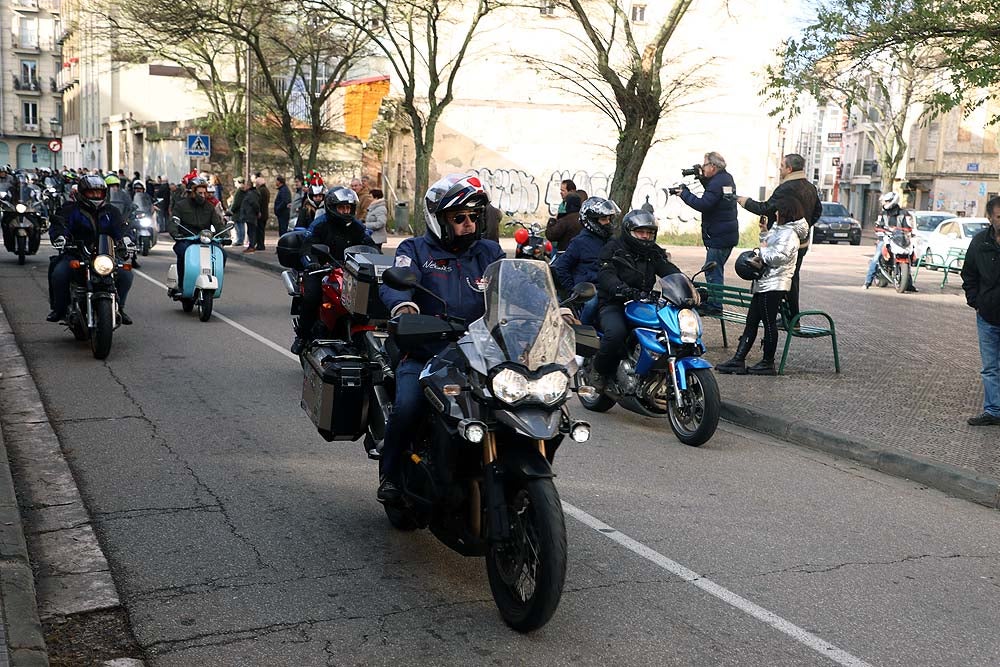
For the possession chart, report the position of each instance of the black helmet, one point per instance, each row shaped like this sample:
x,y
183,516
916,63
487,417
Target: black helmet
x,y
749,265
92,192
455,191
634,220
595,208
341,195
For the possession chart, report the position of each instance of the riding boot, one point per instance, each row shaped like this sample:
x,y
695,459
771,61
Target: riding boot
x,y
764,367
737,365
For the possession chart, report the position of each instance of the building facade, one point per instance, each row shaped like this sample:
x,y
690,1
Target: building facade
x,y
30,101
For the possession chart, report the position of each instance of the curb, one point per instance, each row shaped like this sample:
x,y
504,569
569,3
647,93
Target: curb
x,y
254,261
941,476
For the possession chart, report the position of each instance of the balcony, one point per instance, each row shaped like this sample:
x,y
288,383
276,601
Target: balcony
x,y
27,86
24,5
31,129
51,6
25,45
66,78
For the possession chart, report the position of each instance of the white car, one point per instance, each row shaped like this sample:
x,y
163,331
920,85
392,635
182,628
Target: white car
x,y
925,223
954,233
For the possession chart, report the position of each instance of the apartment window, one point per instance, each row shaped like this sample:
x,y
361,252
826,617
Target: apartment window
x,y
30,110
28,32
29,72
547,9
638,13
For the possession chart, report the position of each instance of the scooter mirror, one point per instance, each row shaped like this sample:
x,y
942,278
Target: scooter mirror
x,y
584,291
400,277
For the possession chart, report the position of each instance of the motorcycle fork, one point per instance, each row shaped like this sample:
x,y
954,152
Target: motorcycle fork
x,y
674,381
496,503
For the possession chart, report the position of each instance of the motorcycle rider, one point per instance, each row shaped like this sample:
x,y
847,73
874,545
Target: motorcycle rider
x,y
118,197
195,214
82,220
581,261
312,202
892,215
450,260
142,201
630,265
336,228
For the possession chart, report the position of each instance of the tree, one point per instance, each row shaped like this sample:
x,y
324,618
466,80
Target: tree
x,y
425,42
636,97
886,84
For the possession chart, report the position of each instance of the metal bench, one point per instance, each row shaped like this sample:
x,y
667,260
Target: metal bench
x,y
735,302
949,264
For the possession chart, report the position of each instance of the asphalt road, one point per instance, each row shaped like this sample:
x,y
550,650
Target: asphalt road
x,y
237,536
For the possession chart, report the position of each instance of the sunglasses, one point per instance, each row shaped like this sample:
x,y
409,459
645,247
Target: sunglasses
x,y
462,217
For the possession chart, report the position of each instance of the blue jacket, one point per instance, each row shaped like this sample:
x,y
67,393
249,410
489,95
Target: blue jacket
x,y
581,261
281,201
456,279
719,225
73,223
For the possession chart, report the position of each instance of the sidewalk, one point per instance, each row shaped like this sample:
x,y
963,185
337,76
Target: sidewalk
x,y
910,375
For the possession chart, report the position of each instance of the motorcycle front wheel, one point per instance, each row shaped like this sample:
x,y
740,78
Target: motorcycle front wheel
x,y
598,403
695,421
104,318
22,249
205,305
902,277
527,571
145,246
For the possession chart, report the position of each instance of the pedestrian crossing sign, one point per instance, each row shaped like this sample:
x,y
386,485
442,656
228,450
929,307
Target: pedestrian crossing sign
x,y
199,145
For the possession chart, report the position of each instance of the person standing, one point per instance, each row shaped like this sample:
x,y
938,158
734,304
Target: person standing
x,y
298,194
566,188
565,226
236,212
282,205
377,218
793,184
720,230
264,197
250,212
981,283
364,197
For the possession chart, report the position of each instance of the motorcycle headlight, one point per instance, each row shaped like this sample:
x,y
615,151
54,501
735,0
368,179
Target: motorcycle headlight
x,y
510,387
205,236
21,208
690,325
103,265
145,222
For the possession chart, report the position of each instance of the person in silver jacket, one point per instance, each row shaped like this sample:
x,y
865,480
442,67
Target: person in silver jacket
x,y
779,248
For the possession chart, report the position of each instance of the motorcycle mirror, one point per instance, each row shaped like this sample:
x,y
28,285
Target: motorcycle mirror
x,y
584,291
709,267
400,277
323,251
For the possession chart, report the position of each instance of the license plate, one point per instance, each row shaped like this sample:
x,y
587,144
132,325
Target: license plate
x,y
842,235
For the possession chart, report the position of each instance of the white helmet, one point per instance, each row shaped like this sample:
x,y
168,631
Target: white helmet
x,y
890,199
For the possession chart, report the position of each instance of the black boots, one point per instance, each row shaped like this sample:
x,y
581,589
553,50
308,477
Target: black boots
x,y
737,365
764,367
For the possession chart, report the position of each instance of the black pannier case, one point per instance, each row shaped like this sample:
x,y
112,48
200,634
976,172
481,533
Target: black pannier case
x,y
290,248
335,389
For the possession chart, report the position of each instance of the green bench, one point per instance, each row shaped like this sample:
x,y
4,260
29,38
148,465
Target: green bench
x,y
949,264
735,302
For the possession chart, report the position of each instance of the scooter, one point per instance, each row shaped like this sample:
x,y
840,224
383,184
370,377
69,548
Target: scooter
x,y
204,264
663,372
898,255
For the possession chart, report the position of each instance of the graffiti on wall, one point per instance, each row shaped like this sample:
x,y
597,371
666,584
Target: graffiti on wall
x,y
510,190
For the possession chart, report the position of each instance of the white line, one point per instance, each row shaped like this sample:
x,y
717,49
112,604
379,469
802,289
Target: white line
x,y
236,325
795,632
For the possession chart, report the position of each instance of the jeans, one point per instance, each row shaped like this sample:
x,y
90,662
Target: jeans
x,y
588,314
873,266
989,350
282,224
405,413
716,276
61,276
241,232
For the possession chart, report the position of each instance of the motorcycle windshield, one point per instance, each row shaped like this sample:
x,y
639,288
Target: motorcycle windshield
x,y
901,238
678,291
522,322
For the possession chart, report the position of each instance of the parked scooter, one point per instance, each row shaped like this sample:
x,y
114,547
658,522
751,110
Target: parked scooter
x,y
531,242
93,312
204,264
663,372
897,257
22,223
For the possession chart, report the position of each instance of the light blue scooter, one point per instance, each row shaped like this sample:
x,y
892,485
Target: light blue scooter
x,y
203,270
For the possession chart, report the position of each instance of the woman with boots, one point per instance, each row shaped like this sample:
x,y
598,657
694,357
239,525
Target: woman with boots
x,y
778,250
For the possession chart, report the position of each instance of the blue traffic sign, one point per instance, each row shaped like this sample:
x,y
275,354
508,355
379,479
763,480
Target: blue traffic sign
x,y
199,145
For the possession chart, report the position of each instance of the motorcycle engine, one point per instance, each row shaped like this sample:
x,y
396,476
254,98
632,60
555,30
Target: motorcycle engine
x,y
625,378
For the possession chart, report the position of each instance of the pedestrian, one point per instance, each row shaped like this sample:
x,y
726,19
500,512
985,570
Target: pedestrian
x,y
215,187
250,212
720,230
376,219
565,226
282,204
566,188
235,209
981,282
794,184
364,197
778,247
264,195
297,196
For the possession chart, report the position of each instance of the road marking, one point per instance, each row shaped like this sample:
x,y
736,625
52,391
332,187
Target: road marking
x,y
800,635
746,606
236,325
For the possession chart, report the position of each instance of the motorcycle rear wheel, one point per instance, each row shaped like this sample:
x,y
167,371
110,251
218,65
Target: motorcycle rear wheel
x,y
205,305
902,277
104,317
527,572
702,419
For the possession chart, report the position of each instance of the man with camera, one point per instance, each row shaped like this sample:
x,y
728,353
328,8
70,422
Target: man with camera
x,y
720,230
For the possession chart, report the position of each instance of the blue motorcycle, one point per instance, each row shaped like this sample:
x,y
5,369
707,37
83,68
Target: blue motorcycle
x,y
663,372
203,270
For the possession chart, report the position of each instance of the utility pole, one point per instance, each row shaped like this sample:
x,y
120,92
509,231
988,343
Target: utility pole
x,y
246,104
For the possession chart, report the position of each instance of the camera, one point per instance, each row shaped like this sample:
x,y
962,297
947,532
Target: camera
x,y
693,171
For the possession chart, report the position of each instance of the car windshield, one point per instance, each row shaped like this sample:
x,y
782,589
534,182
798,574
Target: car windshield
x,y
970,229
835,211
928,223
522,322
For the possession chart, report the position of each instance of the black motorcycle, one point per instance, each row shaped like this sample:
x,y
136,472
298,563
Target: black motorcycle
x,y
22,224
531,242
93,313
479,471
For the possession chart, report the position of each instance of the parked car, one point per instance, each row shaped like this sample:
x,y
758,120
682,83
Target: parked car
x,y
836,224
954,233
926,222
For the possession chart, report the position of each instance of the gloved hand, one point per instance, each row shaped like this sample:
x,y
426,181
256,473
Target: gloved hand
x,y
313,266
59,242
629,293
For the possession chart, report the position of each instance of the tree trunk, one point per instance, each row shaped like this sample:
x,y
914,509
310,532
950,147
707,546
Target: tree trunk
x,y
630,154
423,144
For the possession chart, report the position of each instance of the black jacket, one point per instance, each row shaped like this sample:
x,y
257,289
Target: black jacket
x,y
250,206
194,217
795,186
336,235
981,276
621,267
281,201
